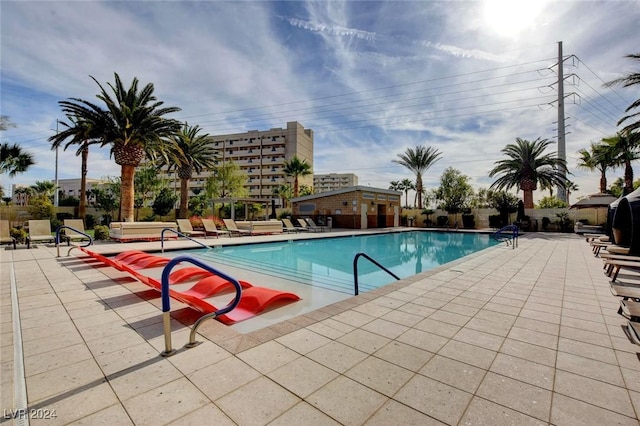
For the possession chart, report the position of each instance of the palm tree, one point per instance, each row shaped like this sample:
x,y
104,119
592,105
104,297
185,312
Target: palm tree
x,y
296,168
189,152
630,79
570,187
597,157
407,185
624,149
528,166
82,131
44,188
14,160
133,124
418,160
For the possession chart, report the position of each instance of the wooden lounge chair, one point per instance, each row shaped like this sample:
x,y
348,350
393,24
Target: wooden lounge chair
x,y
184,226
70,234
39,230
210,228
5,234
233,228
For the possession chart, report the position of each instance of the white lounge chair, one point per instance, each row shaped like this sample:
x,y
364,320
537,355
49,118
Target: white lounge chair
x,y
314,227
5,234
210,228
70,234
233,228
289,227
184,226
39,230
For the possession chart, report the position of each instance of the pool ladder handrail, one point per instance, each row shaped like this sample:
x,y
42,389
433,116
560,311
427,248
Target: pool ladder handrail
x,y
180,234
355,269
60,228
514,235
166,302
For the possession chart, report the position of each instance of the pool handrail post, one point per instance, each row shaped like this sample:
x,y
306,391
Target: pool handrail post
x,y
355,270
166,301
57,240
180,234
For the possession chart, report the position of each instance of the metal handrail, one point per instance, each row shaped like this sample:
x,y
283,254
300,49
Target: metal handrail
x,y
514,235
166,301
60,228
180,234
355,269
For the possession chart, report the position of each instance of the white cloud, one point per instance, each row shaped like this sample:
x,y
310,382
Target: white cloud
x,y
370,78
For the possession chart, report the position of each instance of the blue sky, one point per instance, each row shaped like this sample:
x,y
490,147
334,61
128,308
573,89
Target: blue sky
x,y
370,78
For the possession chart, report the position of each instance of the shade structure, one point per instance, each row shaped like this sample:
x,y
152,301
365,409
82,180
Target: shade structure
x,y
626,222
594,200
611,212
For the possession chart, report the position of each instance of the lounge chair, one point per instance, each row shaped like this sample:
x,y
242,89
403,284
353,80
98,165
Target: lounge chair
x,y
312,226
5,234
70,234
233,228
304,225
184,226
39,230
210,228
289,227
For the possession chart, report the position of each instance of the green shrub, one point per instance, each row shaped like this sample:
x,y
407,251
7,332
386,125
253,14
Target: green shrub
x,y
284,214
100,232
20,235
89,221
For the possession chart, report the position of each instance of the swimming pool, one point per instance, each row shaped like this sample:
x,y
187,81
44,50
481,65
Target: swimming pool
x,y
328,262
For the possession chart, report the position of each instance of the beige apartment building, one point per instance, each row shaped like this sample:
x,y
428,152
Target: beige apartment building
x,y
333,181
261,154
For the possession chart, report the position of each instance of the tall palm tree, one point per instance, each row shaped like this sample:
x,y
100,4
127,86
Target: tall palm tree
x,y
418,160
527,166
597,157
188,151
133,124
14,160
80,131
296,168
625,149
630,79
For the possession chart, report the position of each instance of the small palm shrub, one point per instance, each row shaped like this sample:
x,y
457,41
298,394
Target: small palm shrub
x,y
100,232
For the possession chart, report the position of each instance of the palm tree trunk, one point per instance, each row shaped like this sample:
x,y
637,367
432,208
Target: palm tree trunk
x,y
603,183
528,198
82,208
184,198
628,178
127,193
295,186
419,189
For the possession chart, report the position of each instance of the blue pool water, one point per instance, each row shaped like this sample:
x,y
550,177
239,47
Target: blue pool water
x,y
328,262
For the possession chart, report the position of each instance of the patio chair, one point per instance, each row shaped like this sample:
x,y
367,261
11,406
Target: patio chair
x,y
5,234
70,234
312,226
39,230
184,226
233,228
210,228
289,227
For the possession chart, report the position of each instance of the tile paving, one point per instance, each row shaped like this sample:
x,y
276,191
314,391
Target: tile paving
x,y
524,336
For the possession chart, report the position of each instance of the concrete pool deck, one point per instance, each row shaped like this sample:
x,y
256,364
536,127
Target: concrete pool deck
x,y
524,336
